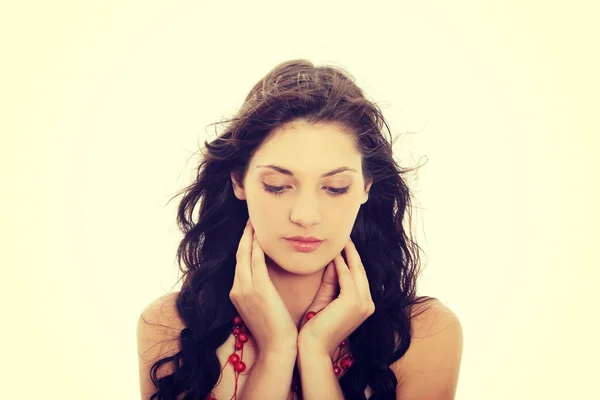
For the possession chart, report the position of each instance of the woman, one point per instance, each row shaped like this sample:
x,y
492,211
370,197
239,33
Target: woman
x,y
332,314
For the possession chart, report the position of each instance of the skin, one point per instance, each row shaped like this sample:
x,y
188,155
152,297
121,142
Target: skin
x,y
430,367
306,206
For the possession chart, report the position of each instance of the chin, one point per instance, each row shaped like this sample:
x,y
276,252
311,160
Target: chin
x,y
296,265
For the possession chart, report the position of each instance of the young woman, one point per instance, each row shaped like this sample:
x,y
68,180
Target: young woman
x,y
299,276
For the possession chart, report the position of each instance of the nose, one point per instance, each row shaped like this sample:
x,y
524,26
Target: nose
x,y
306,210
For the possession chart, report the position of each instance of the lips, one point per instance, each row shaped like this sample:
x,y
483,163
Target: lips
x,y
303,239
305,246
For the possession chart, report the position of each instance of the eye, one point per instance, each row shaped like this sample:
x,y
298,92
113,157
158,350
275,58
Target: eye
x,y
278,190
338,191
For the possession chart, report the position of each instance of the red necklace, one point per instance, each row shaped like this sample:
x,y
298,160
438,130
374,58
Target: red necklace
x,y
240,331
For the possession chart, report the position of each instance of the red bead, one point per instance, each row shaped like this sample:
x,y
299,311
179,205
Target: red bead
x,y
244,329
337,370
310,315
236,331
237,320
239,366
234,358
344,343
243,337
239,345
350,362
346,362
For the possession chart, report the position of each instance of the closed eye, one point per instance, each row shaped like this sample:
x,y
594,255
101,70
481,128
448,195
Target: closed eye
x,y
278,190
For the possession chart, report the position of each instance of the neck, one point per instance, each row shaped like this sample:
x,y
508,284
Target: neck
x,y
296,290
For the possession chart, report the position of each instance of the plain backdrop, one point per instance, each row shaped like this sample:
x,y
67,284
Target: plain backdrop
x,y
104,105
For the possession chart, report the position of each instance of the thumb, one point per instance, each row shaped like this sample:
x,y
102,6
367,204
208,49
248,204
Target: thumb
x,y
328,290
329,277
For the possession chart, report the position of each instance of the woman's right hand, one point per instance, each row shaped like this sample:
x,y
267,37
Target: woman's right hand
x,y
257,301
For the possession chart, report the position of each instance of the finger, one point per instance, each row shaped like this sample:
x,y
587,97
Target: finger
x,y
328,290
357,269
345,278
243,271
330,275
260,275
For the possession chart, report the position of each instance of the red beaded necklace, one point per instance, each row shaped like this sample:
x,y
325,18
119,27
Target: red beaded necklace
x,y
240,331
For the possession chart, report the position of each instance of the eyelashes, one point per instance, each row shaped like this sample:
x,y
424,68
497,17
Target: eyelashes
x,y
278,190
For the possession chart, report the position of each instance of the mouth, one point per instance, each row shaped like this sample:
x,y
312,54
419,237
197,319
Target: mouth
x,y
305,246
309,239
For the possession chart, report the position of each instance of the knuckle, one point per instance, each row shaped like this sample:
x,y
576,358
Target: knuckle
x,y
260,295
369,308
247,294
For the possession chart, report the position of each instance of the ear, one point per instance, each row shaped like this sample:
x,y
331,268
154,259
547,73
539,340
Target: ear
x,y
367,189
238,187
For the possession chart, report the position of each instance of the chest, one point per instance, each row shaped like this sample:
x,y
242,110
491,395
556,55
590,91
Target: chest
x,y
226,384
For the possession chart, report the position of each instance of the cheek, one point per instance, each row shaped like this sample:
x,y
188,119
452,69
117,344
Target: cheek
x,y
263,212
343,220
345,210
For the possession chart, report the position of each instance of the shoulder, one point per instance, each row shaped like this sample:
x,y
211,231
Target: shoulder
x,y
430,366
158,329
159,320
162,312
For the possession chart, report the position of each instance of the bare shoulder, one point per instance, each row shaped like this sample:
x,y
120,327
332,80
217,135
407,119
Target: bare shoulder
x,y
162,314
430,315
158,329
430,366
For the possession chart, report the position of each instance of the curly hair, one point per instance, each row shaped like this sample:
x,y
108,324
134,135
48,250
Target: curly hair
x,y
293,90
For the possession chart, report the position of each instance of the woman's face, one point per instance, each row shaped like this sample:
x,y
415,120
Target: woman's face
x,y
307,203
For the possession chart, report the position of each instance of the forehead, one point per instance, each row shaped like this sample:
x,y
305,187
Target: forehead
x,y
303,145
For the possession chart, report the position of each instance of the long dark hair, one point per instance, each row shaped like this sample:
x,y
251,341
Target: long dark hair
x,y
295,89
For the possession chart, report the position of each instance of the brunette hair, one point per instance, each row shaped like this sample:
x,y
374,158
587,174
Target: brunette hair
x,y
293,90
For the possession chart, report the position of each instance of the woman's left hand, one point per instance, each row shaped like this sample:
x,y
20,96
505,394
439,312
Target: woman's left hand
x,y
337,318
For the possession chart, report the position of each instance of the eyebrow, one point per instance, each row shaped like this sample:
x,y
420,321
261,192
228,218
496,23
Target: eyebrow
x,y
288,172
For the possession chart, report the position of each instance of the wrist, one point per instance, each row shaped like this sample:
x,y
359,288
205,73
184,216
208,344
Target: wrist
x,y
279,351
285,346
306,345
313,358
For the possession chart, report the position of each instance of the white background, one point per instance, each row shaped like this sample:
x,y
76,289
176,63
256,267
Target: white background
x,y
105,103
